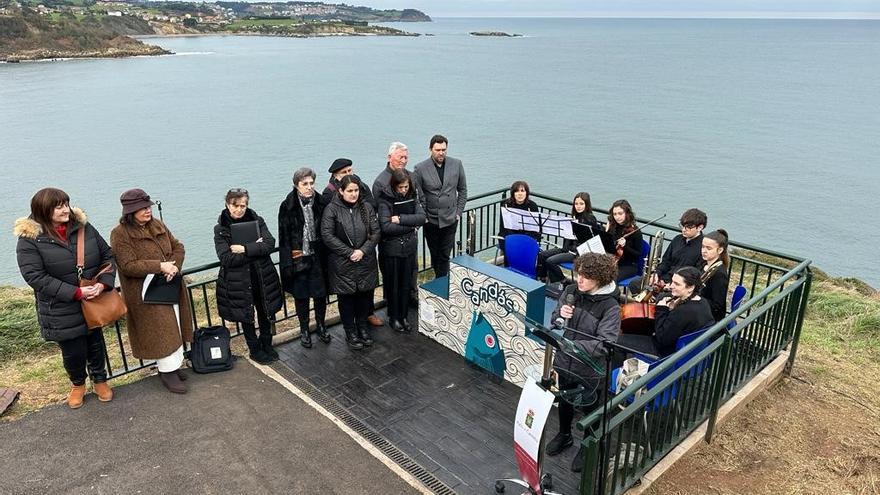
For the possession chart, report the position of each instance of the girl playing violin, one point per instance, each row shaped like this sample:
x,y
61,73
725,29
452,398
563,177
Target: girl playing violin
x,y
716,262
626,240
585,226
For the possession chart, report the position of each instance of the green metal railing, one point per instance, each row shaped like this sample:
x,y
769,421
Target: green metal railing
x,y
674,398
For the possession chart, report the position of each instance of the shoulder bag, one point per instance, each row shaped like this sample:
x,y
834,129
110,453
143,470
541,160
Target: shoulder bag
x,y
107,307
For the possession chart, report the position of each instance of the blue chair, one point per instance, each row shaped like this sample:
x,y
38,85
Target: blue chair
x,y
669,394
640,265
739,295
521,254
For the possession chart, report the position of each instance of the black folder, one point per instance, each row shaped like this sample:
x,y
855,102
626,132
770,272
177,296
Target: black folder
x,y
245,232
407,206
161,291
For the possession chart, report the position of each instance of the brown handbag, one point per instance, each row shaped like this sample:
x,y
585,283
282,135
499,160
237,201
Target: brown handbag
x,y
107,307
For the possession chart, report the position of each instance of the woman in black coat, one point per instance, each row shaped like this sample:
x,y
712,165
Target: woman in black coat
x,y
247,278
518,200
400,217
46,251
301,253
350,230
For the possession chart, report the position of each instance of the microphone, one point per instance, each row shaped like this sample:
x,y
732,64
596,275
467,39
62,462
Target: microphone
x,y
569,301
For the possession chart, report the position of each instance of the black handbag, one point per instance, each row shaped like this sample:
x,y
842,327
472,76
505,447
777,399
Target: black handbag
x,y
210,350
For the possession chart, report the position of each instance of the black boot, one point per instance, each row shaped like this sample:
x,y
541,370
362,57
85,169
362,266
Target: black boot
x,y
560,442
396,326
577,464
257,353
304,338
406,325
266,344
352,339
322,332
364,333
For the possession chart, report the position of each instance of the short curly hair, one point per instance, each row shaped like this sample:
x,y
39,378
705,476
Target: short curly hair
x,y
596,266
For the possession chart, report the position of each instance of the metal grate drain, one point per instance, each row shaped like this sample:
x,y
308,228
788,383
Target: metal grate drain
x,y
381,443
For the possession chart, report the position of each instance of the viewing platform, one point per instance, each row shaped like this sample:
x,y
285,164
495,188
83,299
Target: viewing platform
x,y
448,422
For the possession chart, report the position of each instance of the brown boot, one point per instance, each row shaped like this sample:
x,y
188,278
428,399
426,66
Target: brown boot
x,y
103,391
375,321
75,397
173,382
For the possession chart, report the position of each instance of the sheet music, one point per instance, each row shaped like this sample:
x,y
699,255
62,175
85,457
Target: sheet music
x,y
533,221
593,245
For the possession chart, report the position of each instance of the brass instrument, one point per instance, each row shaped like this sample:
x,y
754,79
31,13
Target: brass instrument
x,y
470,246
654,257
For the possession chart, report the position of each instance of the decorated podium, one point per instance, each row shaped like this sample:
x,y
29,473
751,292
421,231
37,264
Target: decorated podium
x,y
477,311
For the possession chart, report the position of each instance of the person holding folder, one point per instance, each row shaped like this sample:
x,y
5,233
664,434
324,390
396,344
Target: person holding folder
x,y
146,248
400,216
247,278
584,226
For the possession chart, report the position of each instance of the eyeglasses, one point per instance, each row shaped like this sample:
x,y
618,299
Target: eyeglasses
x,y
687,225
237,190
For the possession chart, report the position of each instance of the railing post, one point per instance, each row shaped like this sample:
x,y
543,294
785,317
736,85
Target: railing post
x,y
589,480
802,310
720,378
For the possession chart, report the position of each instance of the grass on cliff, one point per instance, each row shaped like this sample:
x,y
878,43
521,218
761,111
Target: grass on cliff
x,y
815,433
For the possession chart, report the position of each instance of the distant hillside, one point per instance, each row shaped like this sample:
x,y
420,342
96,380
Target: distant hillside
x,y
26,35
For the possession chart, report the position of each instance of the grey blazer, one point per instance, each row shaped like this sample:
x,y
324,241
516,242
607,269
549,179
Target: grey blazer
x,y
443,203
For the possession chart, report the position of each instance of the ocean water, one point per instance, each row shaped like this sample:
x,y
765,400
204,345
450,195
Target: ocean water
x,y
770,126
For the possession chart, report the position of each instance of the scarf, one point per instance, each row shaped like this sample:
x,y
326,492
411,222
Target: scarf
x,y
308,235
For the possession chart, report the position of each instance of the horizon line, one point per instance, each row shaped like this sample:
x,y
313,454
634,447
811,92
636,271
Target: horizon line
x,y
678,16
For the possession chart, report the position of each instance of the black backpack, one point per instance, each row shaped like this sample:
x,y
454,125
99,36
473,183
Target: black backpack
x,y
210,350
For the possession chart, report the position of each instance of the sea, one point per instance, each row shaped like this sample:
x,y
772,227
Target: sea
x,y
770,126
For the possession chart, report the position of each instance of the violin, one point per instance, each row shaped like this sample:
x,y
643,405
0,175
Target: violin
x,y
618,253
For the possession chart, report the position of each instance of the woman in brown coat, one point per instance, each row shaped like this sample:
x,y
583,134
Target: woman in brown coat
x,y
144,246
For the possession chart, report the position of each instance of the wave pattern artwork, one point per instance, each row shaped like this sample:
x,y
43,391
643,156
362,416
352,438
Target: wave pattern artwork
x,y
476,297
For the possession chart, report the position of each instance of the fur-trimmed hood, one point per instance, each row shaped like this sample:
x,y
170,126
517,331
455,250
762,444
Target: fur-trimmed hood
x,y
28,228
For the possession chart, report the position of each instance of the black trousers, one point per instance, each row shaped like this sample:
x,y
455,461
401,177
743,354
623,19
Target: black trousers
x,y
398,285
302,311
250,331
440,242
354,308
85,353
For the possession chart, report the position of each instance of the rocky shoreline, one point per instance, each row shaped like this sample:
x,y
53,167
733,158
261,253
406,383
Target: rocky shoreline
x,y
49,54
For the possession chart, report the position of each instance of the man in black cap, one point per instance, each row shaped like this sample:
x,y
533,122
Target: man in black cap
x,y
339,169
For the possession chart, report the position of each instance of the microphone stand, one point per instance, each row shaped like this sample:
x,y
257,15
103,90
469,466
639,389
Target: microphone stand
x,y
608,347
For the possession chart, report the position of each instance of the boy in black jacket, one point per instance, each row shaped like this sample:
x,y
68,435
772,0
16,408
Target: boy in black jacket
x,y
684,250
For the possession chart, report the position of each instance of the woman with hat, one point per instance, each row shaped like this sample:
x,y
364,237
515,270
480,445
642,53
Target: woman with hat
x,y
144,246
350,230
47,259
301,253
247,278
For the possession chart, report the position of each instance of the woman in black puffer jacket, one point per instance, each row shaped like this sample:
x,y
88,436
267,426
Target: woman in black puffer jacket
x,y
400,217
46,251
350,231
247,277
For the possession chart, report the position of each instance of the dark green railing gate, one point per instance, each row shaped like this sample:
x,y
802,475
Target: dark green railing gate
x,y
643,427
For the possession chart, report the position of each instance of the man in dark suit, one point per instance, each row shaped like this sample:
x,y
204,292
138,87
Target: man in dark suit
x,y
443,187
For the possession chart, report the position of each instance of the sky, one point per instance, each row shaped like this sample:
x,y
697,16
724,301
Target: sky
x,y
856,9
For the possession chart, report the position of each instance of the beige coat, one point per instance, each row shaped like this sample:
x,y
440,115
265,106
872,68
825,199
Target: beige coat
x,y
152,329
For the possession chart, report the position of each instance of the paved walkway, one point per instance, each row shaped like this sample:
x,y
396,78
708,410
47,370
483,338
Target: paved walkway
x,y
235,432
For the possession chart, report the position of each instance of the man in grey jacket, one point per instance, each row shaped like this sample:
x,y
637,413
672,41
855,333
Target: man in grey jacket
x,y
443,187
